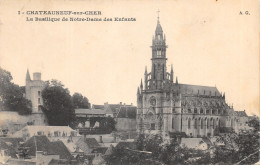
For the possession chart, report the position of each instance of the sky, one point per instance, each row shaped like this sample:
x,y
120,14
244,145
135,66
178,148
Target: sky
x,y
209,43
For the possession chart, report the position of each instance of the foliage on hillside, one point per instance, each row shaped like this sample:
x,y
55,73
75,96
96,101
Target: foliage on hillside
x,y
80,101
12,95
241,148
57,104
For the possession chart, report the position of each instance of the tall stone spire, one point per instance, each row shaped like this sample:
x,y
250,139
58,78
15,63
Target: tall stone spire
x,y
158,72
145,78
158,28
141,85
28,78
171,78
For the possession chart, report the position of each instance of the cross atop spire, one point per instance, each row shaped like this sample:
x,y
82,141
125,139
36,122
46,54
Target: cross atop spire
x,y
158,15
158,27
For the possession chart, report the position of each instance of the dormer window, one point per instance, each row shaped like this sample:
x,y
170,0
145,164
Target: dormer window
x,y
56,133
40,133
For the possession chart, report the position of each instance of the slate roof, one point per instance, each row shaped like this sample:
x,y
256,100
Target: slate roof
x,y
158,27
115,107
42,143
15,142
11,145
127,112
108,110
186,88
88,143
58,147
20,162
101,150
94,106
241,113
105,109
10,149
90,111
92,142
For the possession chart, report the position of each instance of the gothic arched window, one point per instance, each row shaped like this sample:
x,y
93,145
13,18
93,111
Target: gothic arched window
x,y
201,110
208,123
195,110
189,110
172,123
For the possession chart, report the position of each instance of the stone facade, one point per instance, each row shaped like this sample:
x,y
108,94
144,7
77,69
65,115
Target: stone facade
x,y
33,92
165,106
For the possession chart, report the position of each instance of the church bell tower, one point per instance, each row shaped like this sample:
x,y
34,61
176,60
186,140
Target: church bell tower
x,y
154,102
159,70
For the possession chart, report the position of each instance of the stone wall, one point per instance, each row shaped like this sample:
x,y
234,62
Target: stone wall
x,y
125,124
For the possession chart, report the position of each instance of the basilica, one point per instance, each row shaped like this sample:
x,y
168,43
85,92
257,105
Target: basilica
x,y
166,106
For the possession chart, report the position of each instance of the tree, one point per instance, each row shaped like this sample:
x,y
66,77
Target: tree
x,y
154,145
108,124
141,142
5,87
80,101
237,147
21,105
248,143
254,123
121,155
12,96
57,104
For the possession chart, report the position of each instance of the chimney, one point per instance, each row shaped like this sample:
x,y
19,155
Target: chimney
x,y
100,139
39,154
120,103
